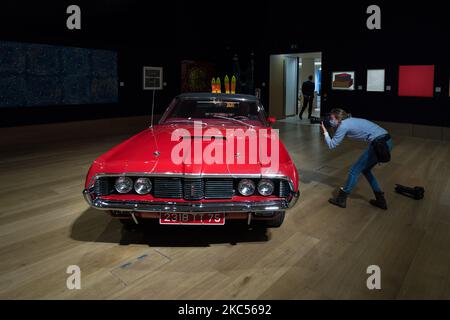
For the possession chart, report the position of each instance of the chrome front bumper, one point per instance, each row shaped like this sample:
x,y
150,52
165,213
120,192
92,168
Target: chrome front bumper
x,y
146,206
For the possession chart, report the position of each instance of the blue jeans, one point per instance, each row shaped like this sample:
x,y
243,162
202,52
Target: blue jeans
x,y
364,165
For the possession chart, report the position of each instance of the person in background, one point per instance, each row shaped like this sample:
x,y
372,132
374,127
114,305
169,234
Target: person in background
x,y
308,96
362,130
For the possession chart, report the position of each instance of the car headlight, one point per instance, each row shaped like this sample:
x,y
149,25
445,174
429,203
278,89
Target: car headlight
x,y
246,187
143,186
265,187
123,184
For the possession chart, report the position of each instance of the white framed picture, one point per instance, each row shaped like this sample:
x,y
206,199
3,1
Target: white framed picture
x,y
152,78
344,80
375,80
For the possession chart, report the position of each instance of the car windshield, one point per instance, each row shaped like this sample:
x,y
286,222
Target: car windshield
x,y
219,109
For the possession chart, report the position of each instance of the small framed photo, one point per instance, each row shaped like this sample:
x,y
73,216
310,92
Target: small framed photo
x,y
153,78
375,80
343,81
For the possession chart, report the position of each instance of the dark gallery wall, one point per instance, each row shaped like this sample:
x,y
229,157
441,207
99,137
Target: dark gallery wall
x,y
142,33
44,23
164,34
411,34
414,36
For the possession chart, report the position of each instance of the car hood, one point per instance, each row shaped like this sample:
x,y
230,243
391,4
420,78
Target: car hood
x,y
151,151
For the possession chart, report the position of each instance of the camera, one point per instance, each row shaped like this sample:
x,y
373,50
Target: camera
x,y
325,119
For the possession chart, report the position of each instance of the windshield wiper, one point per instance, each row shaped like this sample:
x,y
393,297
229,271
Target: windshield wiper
x,y
186,121
232,119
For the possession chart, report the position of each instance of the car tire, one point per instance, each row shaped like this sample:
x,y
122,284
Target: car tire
x,y
277,221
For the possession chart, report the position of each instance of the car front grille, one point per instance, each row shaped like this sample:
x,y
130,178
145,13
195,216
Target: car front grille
x,y
103,186
284,189
193,189
219,188
190,188
168,188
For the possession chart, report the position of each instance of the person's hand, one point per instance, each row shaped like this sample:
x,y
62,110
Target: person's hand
x,y
324,130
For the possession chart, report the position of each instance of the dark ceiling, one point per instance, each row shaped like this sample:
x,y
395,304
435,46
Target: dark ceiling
x,y
182,25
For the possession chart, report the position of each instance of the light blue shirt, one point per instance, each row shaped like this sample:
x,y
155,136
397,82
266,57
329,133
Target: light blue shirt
x,y
356,129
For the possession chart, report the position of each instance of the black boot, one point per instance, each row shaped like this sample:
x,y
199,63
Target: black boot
x,y
340,200
379,201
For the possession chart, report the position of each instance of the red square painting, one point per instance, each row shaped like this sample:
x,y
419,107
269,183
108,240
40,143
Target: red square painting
x,y
416,81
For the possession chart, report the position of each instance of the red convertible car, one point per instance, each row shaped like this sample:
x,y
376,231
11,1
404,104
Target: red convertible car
x,y
212,158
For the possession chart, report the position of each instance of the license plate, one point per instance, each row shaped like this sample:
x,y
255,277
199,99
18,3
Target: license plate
x,y
192,218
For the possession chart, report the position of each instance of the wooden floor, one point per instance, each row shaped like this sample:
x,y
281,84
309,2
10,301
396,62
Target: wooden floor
x,y
321,252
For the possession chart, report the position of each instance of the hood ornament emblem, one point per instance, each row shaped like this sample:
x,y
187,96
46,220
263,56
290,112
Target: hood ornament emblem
x,y
156,153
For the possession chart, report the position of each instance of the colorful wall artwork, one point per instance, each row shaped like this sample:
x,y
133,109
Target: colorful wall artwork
x,y
343,80
196,76
416,81
45,75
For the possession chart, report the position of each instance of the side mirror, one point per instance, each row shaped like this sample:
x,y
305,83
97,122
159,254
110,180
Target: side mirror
x,y
271,120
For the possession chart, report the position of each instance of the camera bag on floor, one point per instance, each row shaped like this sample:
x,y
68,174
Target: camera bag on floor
x,y
416,193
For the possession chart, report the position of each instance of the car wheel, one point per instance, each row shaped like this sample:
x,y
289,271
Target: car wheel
x,y
277,221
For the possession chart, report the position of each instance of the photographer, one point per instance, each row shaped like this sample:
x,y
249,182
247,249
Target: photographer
x,y
380,146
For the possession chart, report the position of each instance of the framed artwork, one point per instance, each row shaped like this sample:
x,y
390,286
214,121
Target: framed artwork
x,y
153,78
196,76
343,80
416,81
34,74
375,80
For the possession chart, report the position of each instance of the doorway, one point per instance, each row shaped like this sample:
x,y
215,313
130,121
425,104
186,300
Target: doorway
x,y
288,72
290,86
